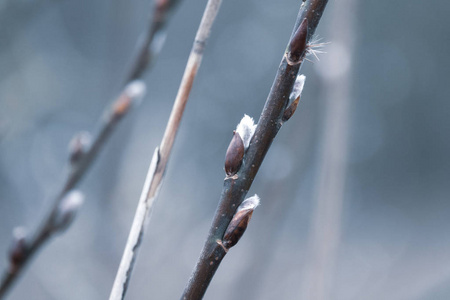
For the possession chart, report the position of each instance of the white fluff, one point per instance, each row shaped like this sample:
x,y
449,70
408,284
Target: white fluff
x,y
19,233
249,203
67,209
246,129
136,90
298,87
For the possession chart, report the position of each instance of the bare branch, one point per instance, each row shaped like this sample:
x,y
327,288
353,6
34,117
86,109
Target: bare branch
x,y
236,186
161,155
82,155
81,160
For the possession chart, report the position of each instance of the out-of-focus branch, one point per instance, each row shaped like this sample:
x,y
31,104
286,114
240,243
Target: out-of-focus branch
x,y
154,38
161,155
240,174
83,155
81,160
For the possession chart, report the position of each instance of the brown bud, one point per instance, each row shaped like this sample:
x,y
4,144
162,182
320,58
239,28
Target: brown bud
x,y
298,43
78,146
236,228
239,222
19,248
235,155
133,92
289,112
122,105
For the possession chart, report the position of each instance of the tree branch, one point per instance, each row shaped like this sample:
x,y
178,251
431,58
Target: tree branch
x,y
82,159
161,156
237,185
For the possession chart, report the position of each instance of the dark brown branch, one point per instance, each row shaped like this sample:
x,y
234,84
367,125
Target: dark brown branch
x,y
236,187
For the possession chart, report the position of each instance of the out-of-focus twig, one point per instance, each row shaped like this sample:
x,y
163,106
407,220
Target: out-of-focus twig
x,y
161,155
153,39
83,155
240,174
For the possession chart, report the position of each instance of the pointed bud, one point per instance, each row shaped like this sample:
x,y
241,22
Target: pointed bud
x,y
235,154
298,44
78,146
133,93
240,221
67,210
19,249
295,97
239,144
246,129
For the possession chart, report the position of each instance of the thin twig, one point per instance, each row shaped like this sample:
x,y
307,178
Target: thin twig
x,y
78,169
134,90
273,115
161,155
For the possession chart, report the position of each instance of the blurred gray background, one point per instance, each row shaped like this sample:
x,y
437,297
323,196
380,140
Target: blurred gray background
x,y
355,189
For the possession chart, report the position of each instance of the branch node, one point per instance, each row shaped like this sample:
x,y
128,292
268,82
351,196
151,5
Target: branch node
x,y
220,243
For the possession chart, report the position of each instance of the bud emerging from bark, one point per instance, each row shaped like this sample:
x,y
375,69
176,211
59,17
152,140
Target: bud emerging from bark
x,y
240,221
133,93
239,144
79,145
298,44
295,97
19,248
235,155
67,210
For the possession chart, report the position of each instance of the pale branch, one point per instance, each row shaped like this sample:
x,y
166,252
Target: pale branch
x,y
272,118
161,156
83,156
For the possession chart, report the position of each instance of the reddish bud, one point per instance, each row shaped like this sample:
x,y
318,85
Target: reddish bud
x,y
240,221
298,44
18,251
289,112
235,155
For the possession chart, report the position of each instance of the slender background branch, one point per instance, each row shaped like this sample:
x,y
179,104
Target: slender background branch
x,y
236,187
132,92
161,156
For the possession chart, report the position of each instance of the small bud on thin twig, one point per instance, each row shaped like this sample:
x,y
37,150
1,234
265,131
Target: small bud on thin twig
x,y
67,210
19,248
239,143
79,145
295,96
133,92
298,44
235,154
240,221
